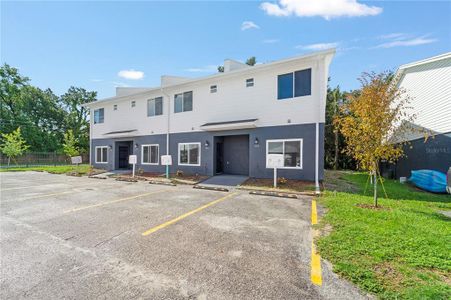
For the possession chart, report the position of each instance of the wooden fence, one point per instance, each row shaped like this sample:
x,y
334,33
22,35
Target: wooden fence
x,y
32,159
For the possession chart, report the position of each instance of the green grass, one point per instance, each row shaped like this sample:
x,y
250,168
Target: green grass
x,y
402,251
81,169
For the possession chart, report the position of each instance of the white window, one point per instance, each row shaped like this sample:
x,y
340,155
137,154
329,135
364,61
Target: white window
x,y
115,106
99,115
250,82
213,88
189,154
155,107
150,154
102,155
133,103
183,102
291,150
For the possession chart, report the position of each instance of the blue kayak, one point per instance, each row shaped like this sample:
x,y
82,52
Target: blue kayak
x,y
429,180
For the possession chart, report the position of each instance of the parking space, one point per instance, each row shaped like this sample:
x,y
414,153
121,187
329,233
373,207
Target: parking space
x,y
68,237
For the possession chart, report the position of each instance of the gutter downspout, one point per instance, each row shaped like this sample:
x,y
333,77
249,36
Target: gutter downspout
x,y
167,132
317,190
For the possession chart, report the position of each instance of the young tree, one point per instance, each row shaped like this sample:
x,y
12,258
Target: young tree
x,y
251,61
70,144
13,144
370,118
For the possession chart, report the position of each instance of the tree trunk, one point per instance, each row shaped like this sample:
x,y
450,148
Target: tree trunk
x,y
336,150
375,189
9,160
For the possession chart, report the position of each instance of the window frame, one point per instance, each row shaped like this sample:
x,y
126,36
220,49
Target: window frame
x,y
183,102
154,106
213,89
150,152
188,164
293,92
301,152
103,119
101,154
248,82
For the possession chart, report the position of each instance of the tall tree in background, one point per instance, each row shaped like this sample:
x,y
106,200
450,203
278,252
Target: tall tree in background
x,y
42,116
370,118
334,144
76,118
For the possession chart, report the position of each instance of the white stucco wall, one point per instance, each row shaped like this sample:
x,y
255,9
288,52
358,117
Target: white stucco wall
x,y
233,101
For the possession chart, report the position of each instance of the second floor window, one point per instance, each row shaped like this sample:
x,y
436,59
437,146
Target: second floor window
x,y
98,115
183,102
155,107
213,88
133,103
250,82
294,84
115,107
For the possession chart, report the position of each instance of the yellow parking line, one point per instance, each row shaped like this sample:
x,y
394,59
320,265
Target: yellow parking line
x,y
161,226
315,272
112,202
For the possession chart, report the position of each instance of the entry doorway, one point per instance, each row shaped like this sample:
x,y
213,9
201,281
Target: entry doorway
x,y
232,155
123,150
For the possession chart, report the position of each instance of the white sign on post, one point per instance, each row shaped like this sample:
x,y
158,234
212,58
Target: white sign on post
x,y
76,160
133,159
166,160
274,161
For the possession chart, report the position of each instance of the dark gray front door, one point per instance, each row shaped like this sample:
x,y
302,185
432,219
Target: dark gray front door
x,y
236,154
123,157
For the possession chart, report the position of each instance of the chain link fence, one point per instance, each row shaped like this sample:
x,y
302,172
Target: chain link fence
x,y
35,159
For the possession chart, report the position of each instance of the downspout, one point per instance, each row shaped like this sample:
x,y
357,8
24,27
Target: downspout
x,y
317,189
168,127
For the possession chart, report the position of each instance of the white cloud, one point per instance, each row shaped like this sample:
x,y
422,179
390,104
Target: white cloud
x,y
131,74
249,25
327,9
407,42
270,41
397,35
319,46
205,69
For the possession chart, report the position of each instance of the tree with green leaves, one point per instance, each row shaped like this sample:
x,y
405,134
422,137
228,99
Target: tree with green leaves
x,y
76,118
369,119
13,144
70,144
251,61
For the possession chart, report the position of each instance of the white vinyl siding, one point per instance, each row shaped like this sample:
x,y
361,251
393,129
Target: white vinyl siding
x,y
101,154
189,154
291,150
150,154
429,88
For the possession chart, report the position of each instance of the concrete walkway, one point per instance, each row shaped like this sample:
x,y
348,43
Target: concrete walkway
x,y
226,180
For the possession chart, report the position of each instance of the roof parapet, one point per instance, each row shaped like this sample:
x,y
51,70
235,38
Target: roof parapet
x,y
232,65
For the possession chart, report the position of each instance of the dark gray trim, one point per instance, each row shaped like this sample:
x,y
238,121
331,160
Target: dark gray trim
x,y
122,131
229,122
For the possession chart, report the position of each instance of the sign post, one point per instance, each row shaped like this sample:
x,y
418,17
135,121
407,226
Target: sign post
x,y
132,159
274,161
166,160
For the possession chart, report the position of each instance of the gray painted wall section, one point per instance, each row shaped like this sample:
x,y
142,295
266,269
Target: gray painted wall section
x,y
257,153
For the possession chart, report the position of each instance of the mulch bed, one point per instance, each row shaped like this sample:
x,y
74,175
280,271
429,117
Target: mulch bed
x,y
290,185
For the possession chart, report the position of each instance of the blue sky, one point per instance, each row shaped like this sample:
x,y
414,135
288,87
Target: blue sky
x,y
88,44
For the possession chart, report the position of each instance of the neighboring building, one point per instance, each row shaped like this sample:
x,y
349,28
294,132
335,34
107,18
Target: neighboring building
x,y
428,84
223,123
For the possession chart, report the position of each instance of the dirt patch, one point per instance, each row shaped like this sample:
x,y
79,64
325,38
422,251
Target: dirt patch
x,y
334,181
387,273
183,179
289,185
371,206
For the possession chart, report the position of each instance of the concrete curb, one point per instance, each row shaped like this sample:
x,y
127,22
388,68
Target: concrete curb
x,y
274,194
312,193
162,183
217,189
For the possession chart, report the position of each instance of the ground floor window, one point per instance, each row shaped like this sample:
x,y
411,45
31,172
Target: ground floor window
x,y
291,150
150,154
102,154
189,154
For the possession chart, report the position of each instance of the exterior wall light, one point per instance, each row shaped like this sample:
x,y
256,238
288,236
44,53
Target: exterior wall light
x,y
256,141
110,147
207,144
136,146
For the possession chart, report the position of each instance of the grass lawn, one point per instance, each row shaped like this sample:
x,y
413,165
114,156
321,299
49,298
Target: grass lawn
x,y
81,169
400,251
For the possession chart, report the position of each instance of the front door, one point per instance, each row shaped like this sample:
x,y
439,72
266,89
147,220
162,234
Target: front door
x,y
236,154
123,157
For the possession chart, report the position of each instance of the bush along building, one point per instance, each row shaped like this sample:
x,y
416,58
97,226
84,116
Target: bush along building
x,y
225,123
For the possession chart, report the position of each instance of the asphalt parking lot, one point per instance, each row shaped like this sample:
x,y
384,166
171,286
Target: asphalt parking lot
x,y
69,237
